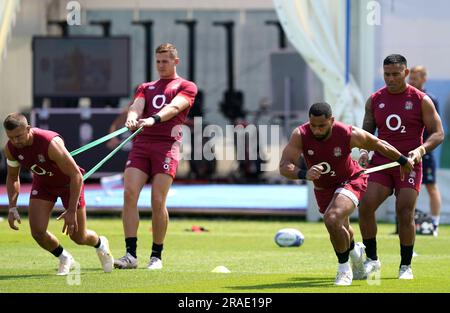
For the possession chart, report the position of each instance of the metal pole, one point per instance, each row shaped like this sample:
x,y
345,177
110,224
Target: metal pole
x,y
191,46
230,51
106,26
148,40
281,35
347,42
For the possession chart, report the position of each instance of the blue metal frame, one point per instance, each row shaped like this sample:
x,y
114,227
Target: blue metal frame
x,y
347,42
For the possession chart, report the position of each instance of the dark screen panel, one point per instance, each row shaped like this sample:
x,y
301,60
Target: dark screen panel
x,y
81,67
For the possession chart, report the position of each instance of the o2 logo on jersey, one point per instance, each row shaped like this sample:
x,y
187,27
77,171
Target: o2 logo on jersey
x,y
159,101
166,165
326,169
411,179
36,169
394,123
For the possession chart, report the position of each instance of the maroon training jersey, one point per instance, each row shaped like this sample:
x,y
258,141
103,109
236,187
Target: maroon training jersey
x,y
398,118
158,94
333,154
35,158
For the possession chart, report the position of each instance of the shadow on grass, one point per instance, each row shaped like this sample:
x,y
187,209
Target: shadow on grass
x,y
24,276
296,282
48,275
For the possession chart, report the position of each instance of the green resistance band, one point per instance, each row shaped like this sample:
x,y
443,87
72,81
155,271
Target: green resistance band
x,y
98,141
95,168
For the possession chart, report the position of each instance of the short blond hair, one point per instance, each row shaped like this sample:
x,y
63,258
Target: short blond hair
x,y
419,69
167,47
14,120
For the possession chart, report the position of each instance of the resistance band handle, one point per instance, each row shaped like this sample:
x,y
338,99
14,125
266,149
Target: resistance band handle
x,y
381,167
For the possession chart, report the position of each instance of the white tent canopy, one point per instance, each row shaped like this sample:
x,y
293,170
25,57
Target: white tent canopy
x,y
317,30
8,9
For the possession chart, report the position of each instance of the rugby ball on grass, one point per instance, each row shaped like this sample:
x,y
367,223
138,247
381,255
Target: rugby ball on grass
x,y
289,237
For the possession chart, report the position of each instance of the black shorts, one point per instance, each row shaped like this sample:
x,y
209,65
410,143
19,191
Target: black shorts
x,y
429,169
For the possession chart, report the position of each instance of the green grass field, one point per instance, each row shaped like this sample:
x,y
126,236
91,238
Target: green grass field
x,y
245,247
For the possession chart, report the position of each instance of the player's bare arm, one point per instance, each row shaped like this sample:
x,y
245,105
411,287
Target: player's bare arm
x,y
119,121
58,153
134,112
434,128
365,140
290,156
177,105
116,124
369,125
13,188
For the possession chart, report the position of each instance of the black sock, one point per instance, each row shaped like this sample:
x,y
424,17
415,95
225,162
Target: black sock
x,y
371,248
131,245
98,243
352,246
406,253
156,250
342,257
57,252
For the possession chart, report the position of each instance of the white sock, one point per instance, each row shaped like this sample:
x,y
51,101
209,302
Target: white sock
x,y
354,254
435,219
64,255
344,267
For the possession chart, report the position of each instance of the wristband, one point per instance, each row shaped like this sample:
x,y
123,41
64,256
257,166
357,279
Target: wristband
x,y
301,174
157,118
402,160
423,150
12,163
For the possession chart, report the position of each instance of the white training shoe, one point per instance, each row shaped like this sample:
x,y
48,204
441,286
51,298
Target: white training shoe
x,y
344,278
154,264
357,258
372,266
104,255
126,262
435,231
405,272
65,265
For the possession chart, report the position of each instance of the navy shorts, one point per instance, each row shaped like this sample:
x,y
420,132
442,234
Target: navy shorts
x,y
429,169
